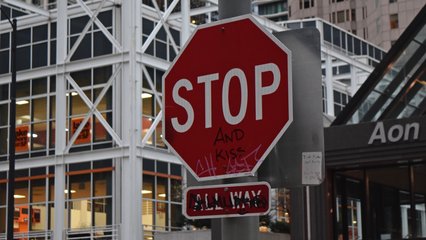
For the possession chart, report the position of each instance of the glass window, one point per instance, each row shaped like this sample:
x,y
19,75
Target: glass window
x,y
52,52
38,215
105,18
4,61
161,216
99,131
84,49
353,14
162,187
39,33
393,20
101,75
82,78
175,169
38,190
148,187
80,213
4,115
38,136
390,201
4,92
357,46
39,56
176,217
21,192
102,184
147,214
162,167
78,106
147,26
39,86
350,43
23,36
3,189
340,16
102,209
103,45
79,186
3,141
349,204
23,54
22,111
4,40
336,37
176,190
148,165
89,201
77,24
22,89
39,110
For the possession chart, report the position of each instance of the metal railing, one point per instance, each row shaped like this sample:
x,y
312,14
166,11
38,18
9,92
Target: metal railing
x,y
105,233
36,235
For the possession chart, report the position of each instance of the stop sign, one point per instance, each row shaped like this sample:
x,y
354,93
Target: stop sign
x,y
227,98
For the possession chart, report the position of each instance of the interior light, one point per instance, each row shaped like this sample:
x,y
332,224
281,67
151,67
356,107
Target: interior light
x,y
146,191
34,135
72,94
72,191
146,95
22,102
162,195
18,196
27,117
193,21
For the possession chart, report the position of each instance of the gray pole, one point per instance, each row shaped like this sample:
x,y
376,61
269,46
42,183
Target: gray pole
x,y
12,133
12,139
246,228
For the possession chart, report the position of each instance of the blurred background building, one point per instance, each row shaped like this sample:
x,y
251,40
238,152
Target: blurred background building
x,y
380,22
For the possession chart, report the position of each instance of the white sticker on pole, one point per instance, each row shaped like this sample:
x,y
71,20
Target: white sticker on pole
x,y
312,168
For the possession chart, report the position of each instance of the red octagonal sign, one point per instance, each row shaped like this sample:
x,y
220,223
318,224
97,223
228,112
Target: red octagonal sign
x,y
227,98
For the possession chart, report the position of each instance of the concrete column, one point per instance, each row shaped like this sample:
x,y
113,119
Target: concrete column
x,y
131,118
61,115
186,21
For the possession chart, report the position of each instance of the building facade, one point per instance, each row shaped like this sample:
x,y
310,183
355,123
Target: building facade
x,y
376,177
90,160
380,22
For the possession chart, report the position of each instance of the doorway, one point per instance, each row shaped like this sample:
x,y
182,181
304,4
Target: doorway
x,y
380,203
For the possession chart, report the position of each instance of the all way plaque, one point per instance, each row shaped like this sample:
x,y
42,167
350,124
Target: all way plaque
x,y
228,200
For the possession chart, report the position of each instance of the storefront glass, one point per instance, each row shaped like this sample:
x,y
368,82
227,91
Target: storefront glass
x,y
379,203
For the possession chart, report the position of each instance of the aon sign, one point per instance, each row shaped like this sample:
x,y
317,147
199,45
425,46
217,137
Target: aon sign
x,y
395,133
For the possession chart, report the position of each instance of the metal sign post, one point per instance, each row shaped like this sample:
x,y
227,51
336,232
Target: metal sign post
x,y
235,228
